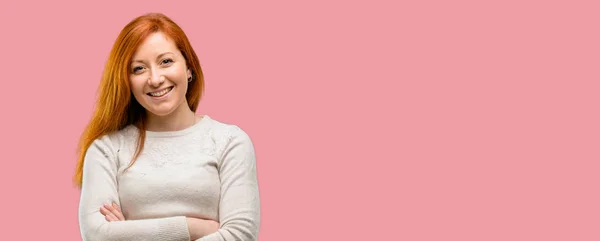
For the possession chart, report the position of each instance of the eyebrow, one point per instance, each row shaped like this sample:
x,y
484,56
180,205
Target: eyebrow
x,y
159,56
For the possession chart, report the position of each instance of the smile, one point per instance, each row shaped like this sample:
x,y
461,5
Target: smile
x,y
160,93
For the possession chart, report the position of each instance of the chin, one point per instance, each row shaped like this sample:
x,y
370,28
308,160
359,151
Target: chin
x,y
163,108
161,112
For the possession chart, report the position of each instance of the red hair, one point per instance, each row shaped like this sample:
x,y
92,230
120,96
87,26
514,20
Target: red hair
x,y
116,107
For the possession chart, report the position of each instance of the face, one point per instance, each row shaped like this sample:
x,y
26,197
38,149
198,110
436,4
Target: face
x,y
159,75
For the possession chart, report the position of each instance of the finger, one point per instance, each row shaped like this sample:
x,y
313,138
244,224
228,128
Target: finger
x,y
119,213
113,212
108,215
104,211
111,218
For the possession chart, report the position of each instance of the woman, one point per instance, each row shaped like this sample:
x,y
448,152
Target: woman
x,y
149,168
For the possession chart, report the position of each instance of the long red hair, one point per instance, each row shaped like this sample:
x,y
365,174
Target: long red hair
x,y
116,107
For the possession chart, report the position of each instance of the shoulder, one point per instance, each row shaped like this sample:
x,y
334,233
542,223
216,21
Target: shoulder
x,y
114,141
222,129
226,135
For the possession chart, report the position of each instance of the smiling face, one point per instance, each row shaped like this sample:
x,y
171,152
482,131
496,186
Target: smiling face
x,y
159,76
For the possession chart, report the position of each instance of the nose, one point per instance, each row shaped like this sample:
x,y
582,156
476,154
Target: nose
x,y
156,79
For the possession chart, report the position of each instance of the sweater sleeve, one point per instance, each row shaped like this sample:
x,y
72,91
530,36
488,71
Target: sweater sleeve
x,y
99,187
239,208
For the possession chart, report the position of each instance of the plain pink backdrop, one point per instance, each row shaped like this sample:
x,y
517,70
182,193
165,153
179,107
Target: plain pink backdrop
x,y
372,120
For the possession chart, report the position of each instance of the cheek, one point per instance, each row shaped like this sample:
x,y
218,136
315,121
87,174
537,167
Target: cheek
x,y
176,74
137,85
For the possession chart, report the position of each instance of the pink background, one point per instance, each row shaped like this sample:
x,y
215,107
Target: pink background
x,y
372,120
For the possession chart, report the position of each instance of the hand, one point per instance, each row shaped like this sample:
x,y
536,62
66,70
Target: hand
x,y
199,228
112,212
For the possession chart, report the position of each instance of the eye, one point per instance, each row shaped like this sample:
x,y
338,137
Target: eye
x,y
167,61
137,69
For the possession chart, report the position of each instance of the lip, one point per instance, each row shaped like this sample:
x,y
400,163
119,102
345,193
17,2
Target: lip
x,y
161,97
159,90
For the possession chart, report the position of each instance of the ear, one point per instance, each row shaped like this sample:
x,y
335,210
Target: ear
x,y
189,73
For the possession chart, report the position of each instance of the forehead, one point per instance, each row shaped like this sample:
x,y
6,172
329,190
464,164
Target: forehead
x,y
155,44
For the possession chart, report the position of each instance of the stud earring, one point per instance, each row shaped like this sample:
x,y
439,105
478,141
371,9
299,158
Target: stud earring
x,y
190,79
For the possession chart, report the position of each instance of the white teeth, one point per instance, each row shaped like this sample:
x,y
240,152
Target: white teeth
x,y
160,93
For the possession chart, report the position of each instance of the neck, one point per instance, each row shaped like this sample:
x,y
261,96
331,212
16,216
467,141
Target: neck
x,y
179,119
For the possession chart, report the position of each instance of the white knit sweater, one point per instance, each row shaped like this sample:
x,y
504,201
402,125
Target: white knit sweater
x,y
205,171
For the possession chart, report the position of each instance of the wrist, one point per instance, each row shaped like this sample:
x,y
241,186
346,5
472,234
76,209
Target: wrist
x,y
192,228
199,228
